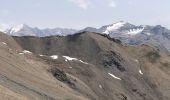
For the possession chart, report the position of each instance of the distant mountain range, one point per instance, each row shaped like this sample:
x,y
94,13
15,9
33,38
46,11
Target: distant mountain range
x,y
128,33
131,34
25,30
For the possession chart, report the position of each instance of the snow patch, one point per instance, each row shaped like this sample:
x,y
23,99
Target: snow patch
x,y
114,76
100,86
54,57
26,52
135,31
21,53
67,58
41,55
4,43
114,27
140,71
83,62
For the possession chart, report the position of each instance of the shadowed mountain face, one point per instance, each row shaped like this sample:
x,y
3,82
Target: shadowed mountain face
x,y
84,66
111,70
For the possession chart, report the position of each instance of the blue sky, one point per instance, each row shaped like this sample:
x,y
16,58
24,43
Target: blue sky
x,y
82,13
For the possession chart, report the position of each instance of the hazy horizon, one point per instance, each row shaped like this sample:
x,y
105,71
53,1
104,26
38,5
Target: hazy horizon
x,y
78,14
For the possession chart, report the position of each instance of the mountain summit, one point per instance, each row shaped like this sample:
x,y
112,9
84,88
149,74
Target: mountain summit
x,y
134,35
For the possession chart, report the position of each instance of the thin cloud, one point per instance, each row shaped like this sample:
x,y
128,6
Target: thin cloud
x,y
112,4
84,4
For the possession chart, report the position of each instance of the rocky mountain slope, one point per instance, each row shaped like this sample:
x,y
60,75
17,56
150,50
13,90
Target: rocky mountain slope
x,y
134,35
23,76
92,66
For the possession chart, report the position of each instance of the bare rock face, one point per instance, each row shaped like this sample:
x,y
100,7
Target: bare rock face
x,y
84,66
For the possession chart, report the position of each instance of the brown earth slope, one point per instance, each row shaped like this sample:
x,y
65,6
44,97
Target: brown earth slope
x,y
24,77
99,68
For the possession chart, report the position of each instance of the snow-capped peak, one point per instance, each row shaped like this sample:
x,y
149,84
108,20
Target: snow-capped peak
x,y
16,28
25,30
114,27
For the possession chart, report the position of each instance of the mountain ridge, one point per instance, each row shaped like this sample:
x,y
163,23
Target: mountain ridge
x,y
113,71
25,30
83,66
124,31
18,27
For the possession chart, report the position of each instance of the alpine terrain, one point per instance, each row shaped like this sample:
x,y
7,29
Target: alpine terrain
x,y
131,34
158,36
92,64
25,30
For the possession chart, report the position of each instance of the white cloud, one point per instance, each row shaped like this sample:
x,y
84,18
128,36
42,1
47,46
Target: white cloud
x,y
112,4
82,3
